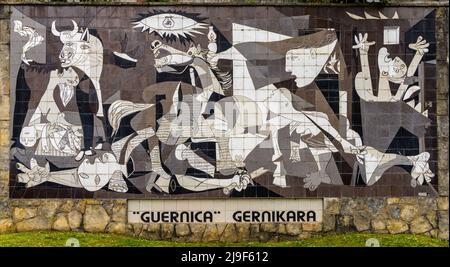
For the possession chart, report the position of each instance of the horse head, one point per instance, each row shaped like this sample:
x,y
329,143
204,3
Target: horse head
x,y
172,60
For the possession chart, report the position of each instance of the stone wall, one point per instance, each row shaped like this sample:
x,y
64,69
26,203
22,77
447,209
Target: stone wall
x,y
428,216
4,101
423,215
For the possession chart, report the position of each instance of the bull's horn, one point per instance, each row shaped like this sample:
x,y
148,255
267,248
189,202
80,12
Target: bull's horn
x,y
54,30
75,28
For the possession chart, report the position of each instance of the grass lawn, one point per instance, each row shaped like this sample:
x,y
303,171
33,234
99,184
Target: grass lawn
x,y
58,239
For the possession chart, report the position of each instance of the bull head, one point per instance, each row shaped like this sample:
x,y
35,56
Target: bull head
x,y
76,47
85,52
65,36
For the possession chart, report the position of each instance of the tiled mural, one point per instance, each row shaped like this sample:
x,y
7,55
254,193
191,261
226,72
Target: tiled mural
x,y
218,102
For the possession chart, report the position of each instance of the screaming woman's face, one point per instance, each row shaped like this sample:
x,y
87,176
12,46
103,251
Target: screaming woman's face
x,y
394,69
306,63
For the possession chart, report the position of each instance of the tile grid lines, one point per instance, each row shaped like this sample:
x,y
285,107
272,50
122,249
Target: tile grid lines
x,y
242,75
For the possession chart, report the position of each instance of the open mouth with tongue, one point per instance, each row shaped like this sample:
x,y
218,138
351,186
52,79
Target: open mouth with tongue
x,y
169,59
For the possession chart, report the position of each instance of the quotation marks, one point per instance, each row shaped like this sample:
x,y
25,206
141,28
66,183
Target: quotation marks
x,y
137,212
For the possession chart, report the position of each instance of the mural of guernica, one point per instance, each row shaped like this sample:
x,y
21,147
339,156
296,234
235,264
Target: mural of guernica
x,y
222,102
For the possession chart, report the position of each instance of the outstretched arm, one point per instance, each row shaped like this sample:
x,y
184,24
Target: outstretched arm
x,y
363,45
421,47
99,97
363,81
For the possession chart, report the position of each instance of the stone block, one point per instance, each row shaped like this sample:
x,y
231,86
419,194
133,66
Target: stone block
x,y
182,229
5,210
420,225
345,221
5,12
443,224
48,208
4,31
393,200
197,231
408,212
331,206
61,223
119,213
95,219
312,226
378,225
153,227
442,203
229,234
4,111
7,226
348,206
136,228
396,226
119,228
75,218
243,232
254,232
394,212
269,227
361,220
281,229
294,228
66,206
34,224
167,230
211,234
20,214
